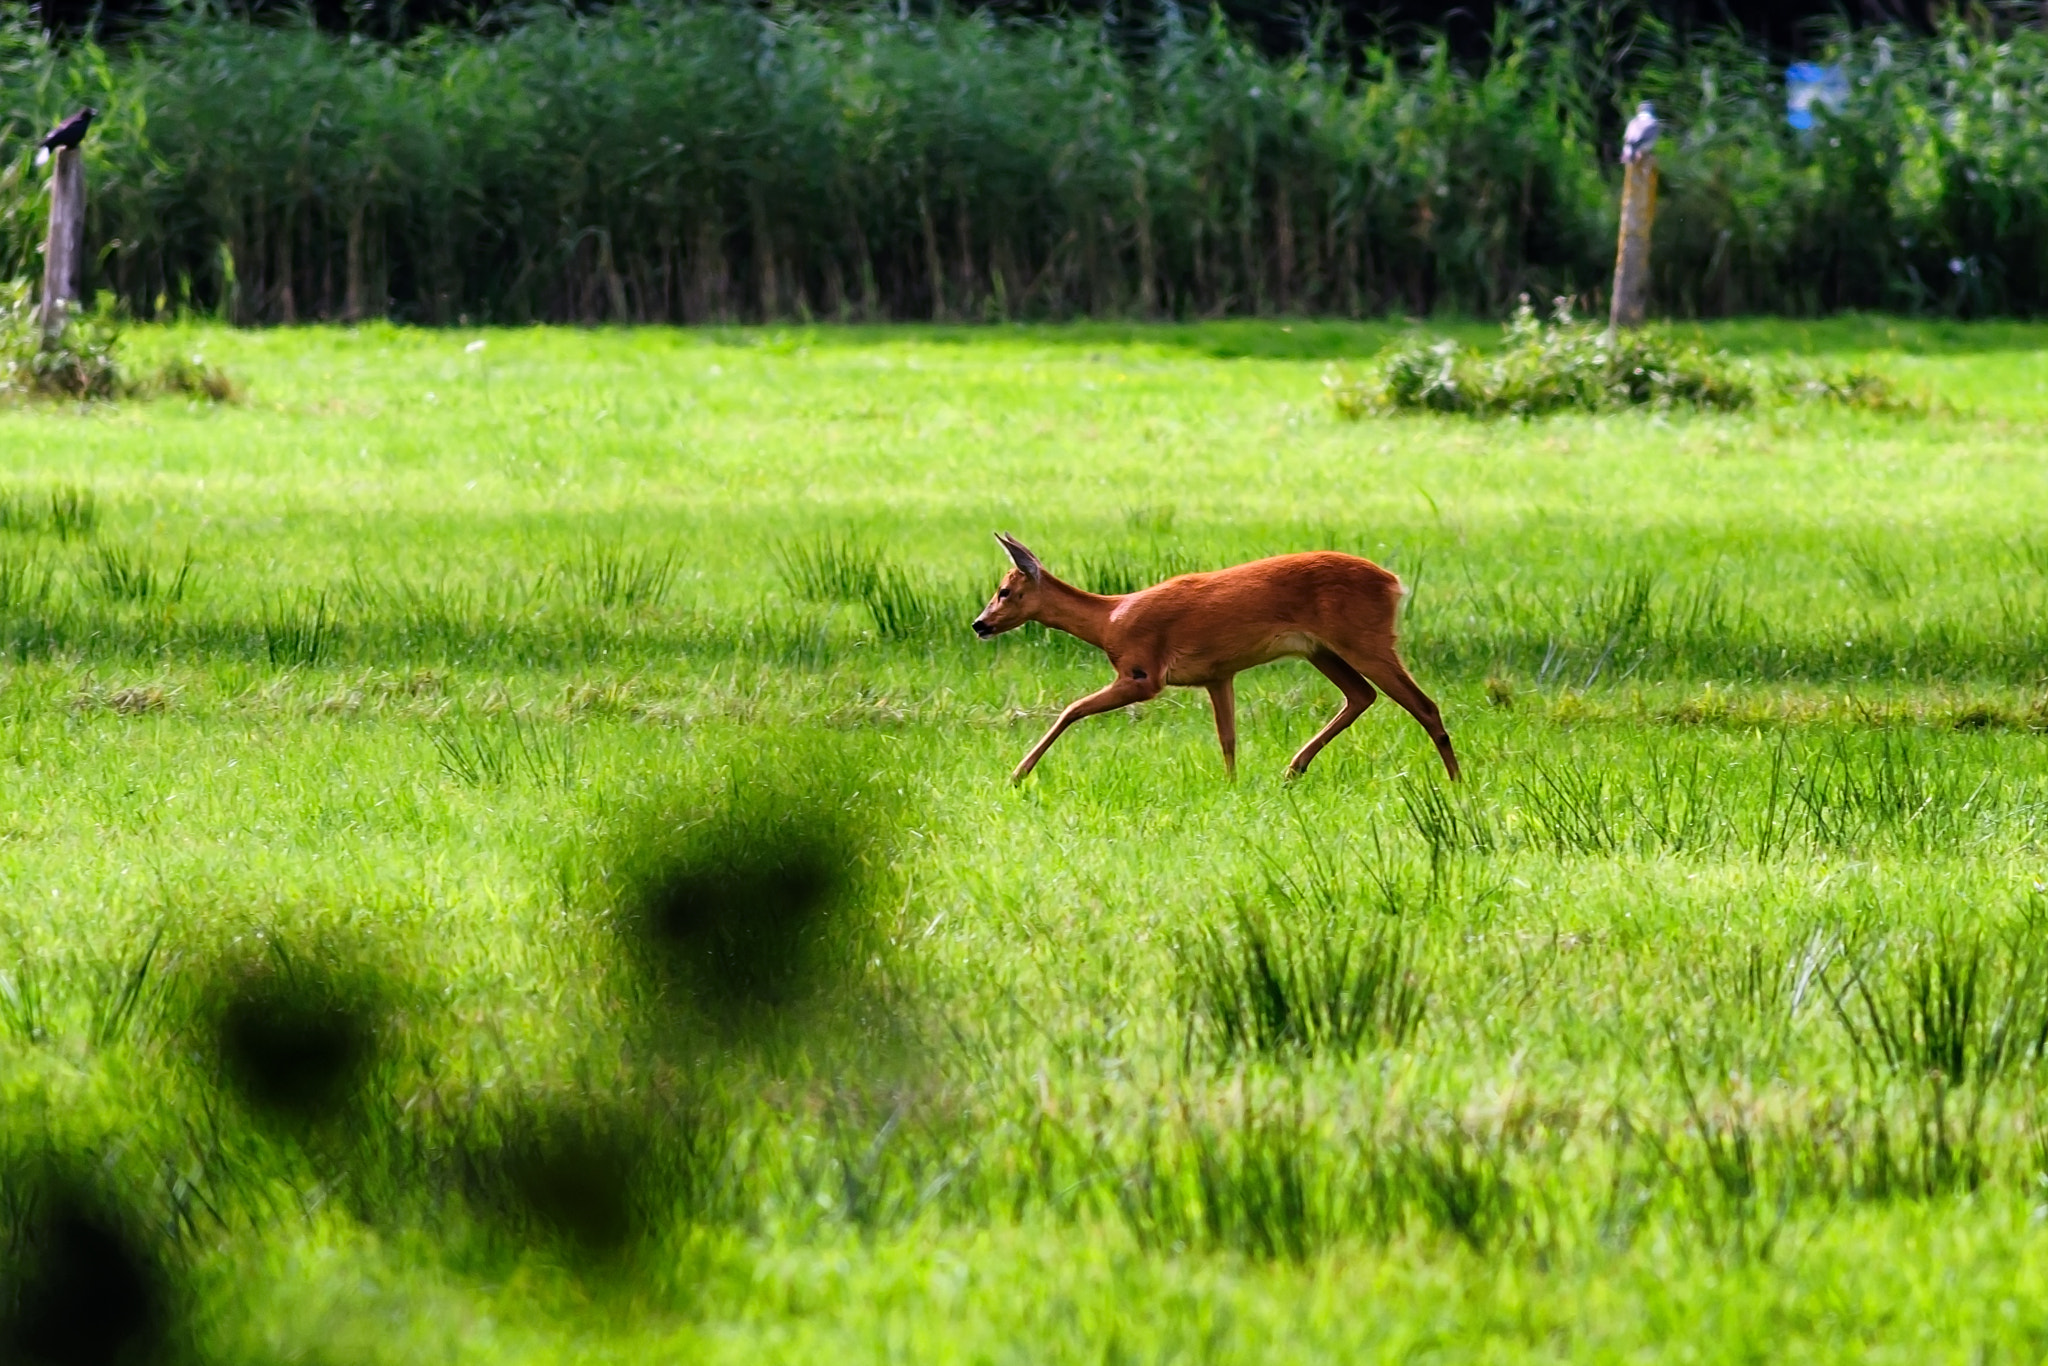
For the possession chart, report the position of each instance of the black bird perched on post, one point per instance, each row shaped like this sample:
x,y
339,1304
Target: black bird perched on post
x,y
1641,134
69,133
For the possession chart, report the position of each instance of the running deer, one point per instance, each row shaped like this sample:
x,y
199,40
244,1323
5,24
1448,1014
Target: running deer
x,y
1202,630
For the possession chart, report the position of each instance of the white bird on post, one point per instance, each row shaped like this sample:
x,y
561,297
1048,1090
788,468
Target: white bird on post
x,y
1641,134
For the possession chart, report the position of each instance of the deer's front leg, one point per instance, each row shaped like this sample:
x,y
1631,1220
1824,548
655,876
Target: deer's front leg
x,y
1223,697
1121,693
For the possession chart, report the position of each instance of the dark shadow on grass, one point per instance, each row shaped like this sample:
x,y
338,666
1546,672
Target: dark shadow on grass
x,y
80,1283
752,909
296,1033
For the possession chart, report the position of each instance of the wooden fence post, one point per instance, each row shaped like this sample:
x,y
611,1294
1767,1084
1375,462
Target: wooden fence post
x,y
1632,252
64,251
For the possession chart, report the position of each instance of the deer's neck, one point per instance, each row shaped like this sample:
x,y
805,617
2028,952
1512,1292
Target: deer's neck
x,y
1084,616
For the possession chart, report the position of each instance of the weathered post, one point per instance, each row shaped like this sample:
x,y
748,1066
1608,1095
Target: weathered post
x,y
64,250
1638,209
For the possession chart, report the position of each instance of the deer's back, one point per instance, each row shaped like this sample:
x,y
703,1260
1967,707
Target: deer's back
x,y
1242,616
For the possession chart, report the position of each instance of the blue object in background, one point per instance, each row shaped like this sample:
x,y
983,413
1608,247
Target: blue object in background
x,y
1810,83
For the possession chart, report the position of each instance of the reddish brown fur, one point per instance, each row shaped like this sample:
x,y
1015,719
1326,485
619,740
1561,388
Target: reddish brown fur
x,y
1202,630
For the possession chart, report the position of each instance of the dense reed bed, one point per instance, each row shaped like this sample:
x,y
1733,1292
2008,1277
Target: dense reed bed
x,y
711,162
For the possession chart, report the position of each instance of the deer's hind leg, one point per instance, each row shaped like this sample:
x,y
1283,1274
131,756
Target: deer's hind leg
x,y
1384,667
1358,695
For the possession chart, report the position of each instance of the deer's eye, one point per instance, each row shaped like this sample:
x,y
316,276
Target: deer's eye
x,y
1003,593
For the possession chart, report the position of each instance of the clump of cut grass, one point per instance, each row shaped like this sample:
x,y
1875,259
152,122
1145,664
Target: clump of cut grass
x,y
1562,365
1266,988
1993,715
137,699
1852,388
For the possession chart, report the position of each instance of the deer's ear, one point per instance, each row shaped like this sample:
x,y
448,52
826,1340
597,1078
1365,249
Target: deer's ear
x,y
1021,557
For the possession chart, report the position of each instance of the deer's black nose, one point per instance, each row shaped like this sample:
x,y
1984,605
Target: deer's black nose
x,y
981,629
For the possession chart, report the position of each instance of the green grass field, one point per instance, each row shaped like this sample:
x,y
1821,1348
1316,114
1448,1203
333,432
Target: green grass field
x,y
1707,1020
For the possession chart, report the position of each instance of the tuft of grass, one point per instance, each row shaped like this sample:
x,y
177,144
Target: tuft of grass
x,y
1460,1185
1268,989
122,574
1130,571
1956,1006
829,568
904,604
130,985
1449,822
67,511
1266,1185
602,575
492,753
907,605
25,581
297,630
24,1007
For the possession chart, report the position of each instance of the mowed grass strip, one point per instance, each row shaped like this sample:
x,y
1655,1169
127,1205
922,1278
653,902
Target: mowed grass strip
x,y
1708,1012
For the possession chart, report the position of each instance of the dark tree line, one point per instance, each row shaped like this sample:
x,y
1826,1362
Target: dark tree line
x,y
1784,26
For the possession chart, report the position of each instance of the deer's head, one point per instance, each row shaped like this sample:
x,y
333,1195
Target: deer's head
x,y
1016,599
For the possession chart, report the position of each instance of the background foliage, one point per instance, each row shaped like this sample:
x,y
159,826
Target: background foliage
x,y
703,162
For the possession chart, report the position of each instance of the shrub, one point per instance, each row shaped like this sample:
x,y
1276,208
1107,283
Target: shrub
x,y
83,362
78,363
194,378
1567,366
